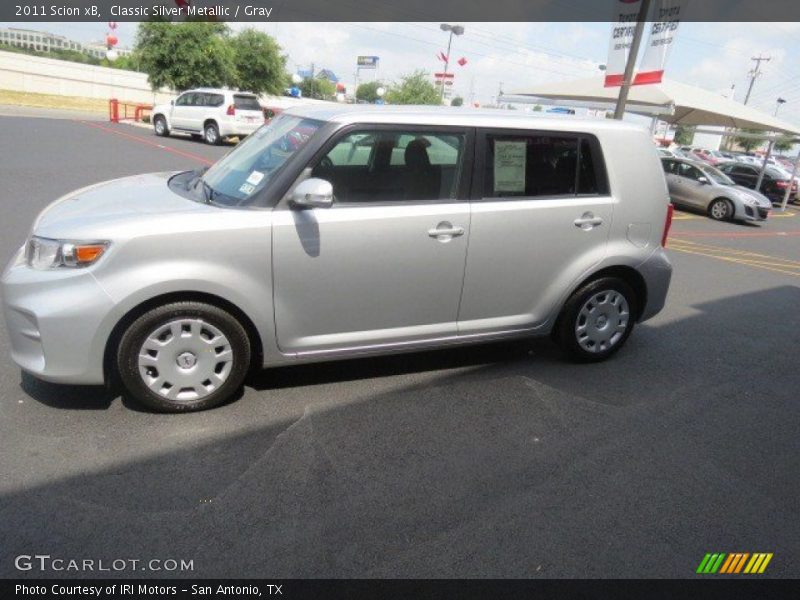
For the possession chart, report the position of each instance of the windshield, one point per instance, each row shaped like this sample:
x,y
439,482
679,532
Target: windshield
x,y
240,175
716,176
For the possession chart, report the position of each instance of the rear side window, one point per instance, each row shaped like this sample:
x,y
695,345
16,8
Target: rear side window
x,y
214,99
246,102
534,165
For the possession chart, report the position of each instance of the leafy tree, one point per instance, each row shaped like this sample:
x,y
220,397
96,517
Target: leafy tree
x,y
537,108
314,87
186,55
749,144
784,143
684,135
415,88
368,92
260,67
457,101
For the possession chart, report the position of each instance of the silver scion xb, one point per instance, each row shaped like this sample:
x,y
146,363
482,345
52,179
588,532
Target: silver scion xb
x,y
700,186
342,231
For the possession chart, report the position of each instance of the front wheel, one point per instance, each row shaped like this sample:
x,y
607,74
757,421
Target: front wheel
x,y
597,319
160,126
720,210
183,356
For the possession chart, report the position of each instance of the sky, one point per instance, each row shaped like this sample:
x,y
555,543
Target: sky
x,y
715,56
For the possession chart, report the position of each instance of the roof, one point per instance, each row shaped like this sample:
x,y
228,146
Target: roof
x,y
689,105
457,116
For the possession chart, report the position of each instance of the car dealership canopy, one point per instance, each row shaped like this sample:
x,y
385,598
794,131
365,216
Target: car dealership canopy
x,y
673,102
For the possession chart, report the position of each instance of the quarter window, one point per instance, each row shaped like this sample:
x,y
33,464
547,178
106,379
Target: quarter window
x,y
541,165
392,166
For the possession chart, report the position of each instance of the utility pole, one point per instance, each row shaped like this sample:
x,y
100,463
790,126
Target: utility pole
x,y
627,78
454,30
754,73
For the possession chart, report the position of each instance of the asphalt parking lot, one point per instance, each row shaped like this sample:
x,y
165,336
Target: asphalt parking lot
x,y
493,461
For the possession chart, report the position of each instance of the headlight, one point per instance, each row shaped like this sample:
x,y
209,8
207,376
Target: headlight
x,y
43,253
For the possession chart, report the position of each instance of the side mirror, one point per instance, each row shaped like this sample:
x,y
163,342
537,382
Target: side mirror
x,y
702,180
172,102
313,193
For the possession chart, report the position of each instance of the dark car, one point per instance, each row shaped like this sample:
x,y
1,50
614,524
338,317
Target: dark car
x,y
773,186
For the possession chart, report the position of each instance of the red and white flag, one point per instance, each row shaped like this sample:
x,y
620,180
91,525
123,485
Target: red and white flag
x,y
462,61
442,57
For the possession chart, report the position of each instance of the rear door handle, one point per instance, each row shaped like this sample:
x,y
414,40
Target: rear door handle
x,y
588,221
444,231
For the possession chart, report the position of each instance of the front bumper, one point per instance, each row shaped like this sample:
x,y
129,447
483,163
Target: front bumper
x,y
755,213
54,320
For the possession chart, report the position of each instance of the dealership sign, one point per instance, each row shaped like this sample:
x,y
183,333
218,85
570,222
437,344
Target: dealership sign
x,y
367,62
667,16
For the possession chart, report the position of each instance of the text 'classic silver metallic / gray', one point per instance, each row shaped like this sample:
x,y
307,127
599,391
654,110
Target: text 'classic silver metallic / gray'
x,y
343,231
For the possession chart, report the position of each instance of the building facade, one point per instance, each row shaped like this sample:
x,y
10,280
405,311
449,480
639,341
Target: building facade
x,y
47,42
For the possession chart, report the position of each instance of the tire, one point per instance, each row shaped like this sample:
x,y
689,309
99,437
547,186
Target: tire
x,y
183,357
720,209
588,337
160,126
211,134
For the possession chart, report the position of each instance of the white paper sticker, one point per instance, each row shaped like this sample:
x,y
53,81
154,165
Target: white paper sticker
x,y
255,178
509,166
247,189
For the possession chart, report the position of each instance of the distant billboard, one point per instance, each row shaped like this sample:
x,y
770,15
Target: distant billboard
x,y
367,62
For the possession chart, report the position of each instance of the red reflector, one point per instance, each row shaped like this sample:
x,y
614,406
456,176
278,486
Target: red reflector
x,y
231,110
667,225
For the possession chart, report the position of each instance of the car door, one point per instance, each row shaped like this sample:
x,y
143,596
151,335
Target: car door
x,y
673,180
744,175
693,190
541,214
181,115
385,263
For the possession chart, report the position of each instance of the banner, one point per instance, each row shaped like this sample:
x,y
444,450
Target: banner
x,y
666,19
367,62
625,15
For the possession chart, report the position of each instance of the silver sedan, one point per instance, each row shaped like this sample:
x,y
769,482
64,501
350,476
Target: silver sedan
x,y
700,186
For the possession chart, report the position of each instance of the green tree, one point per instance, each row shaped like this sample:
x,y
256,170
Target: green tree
x,y
185,55
537,108
784,143
749,144
457,101
368,92
684,135
414,88
260,67
314,87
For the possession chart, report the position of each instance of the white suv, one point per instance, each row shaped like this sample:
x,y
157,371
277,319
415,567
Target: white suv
x,y
211,113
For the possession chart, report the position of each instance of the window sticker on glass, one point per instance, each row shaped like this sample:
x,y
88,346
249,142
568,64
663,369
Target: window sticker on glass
x,y
509,166
247,189
255,178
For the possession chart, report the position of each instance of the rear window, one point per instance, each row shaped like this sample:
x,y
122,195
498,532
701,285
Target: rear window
x,y
246,102
542,166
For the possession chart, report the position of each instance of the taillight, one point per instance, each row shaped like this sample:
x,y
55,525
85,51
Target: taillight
x,y
667,225
231,110
782,184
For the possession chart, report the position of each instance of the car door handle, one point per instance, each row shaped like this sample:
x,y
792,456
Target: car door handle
x,y
588,221
446,231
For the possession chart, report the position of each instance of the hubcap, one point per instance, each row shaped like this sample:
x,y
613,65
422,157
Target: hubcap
x,y
185,359
211,135
719,210
602,321
160,126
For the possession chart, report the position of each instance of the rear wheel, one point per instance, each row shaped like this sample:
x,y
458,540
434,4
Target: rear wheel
x,y
720,210
183,356
160,126
211,134
597,319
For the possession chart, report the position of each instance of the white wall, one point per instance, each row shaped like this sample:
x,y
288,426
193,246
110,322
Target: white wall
x,y
24,73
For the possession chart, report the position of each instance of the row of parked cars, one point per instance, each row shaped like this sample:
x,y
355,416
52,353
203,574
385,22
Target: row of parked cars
x,y
723,184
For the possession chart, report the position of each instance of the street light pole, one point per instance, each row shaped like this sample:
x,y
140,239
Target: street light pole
x,y
454,30
627,78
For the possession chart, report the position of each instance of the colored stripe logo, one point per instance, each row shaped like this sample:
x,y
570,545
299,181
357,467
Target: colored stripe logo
x,y
734,563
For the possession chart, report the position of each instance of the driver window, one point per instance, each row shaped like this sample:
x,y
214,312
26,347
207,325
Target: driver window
x,y
690,172
388,165
184,100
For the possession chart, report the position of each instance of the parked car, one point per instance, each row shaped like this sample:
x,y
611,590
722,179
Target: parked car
x,y
209,113
700,186
773,185
354,242
712,157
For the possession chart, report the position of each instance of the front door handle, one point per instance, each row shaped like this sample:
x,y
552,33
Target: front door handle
x,y
588,221
445,231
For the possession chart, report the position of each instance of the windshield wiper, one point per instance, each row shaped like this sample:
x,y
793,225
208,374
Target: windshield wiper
x,y
196,175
